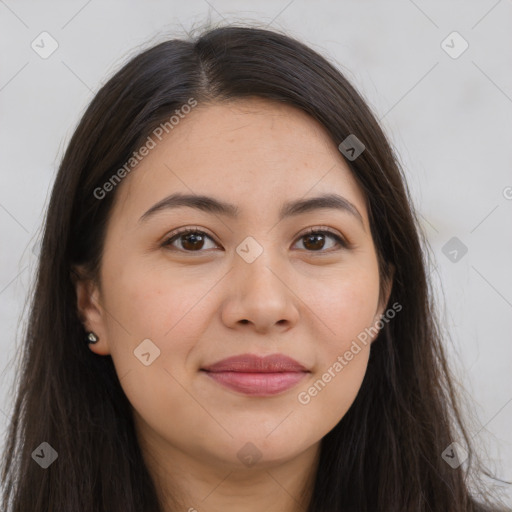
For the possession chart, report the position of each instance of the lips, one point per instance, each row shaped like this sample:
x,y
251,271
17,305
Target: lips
x,y
250,363
257,376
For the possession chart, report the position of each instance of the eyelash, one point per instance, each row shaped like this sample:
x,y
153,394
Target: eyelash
x,y
315,230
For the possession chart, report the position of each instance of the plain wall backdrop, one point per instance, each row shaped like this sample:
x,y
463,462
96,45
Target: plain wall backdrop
x,y
438,75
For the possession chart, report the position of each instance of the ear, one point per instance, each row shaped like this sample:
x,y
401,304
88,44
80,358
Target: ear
x,y
89,309
387,286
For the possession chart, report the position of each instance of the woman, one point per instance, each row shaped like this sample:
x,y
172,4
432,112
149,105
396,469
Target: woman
x,y
232,310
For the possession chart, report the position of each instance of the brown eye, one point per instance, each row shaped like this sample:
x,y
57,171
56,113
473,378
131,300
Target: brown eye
x,y
192,240
315,240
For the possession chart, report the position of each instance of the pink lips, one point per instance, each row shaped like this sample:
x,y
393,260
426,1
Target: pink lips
x,y
257,376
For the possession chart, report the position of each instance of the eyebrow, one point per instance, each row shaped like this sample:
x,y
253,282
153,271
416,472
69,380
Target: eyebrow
x,y
292,208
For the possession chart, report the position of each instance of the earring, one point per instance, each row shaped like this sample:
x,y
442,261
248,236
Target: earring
x,y
92,338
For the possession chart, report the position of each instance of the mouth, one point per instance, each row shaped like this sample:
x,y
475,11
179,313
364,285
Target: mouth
x,y
257,376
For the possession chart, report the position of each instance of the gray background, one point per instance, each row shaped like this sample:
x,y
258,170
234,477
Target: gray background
x,y
450,120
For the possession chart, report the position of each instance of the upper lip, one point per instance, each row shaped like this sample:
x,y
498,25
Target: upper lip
x,y
251,363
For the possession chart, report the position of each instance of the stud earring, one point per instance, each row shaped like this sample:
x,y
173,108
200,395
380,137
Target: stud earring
x,y
92,338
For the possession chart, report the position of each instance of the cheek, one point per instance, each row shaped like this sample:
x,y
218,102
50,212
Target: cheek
x,y
155,303
344,305
167,309
146,303
355,309
170,308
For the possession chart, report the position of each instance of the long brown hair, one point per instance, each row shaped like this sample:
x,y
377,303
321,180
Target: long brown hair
x,y
386,452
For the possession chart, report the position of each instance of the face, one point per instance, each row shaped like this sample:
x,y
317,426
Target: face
x,y
251,280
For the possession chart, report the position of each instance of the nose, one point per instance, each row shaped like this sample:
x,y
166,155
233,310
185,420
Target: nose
x,y
260,297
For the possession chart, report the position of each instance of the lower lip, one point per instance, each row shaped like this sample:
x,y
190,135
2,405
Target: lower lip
x,y
258,384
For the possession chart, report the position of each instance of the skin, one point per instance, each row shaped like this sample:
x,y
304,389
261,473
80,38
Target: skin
x,y
307,301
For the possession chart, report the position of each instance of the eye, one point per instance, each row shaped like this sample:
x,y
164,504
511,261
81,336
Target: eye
x,y
192,239
314,239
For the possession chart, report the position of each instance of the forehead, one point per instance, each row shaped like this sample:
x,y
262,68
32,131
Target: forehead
x,y
253,152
